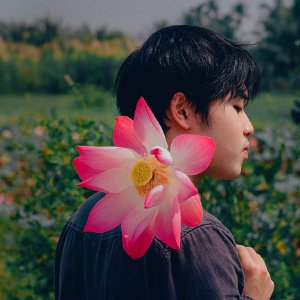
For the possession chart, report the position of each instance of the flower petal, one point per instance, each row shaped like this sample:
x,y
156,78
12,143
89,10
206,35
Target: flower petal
x,y
138,231
83,170
147,127
85,150
184,187
125,136
111,210
192,153
162,155
110,181
154,197
191,211
169,223
103,158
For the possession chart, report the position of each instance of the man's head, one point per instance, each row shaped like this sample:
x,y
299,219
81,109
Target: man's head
x,y
195,81
196,61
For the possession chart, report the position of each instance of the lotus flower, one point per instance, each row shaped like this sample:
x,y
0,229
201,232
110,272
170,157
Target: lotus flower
x,y
147,187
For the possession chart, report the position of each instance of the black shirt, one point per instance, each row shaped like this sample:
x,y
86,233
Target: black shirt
x,y
95,266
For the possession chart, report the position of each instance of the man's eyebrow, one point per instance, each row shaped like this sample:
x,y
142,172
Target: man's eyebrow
x,y
242,95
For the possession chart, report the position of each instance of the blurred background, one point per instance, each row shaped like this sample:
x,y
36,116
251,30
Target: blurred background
x,y
58,61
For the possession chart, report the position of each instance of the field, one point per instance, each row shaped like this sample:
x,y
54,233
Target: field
x,y
29,106
268,109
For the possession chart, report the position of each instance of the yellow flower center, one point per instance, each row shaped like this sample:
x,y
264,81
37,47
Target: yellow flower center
x,y
147,174
141,173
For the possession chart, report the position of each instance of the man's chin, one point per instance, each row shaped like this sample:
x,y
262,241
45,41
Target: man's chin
x,y
225,174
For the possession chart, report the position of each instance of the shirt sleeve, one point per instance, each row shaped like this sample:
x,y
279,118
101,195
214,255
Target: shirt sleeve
x,y
206,267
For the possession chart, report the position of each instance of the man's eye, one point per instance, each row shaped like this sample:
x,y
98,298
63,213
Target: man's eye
x,y
238,108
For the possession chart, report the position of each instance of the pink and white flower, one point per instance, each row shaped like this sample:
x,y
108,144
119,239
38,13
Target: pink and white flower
x,y
147,187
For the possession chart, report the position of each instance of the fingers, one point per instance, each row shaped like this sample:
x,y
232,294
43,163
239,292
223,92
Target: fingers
x,y
252,262
258,282
246,259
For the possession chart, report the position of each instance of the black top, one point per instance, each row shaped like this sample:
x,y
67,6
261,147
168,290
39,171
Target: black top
x,y
95,266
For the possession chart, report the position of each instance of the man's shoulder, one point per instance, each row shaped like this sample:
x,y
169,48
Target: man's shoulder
x,y
80,216
209,222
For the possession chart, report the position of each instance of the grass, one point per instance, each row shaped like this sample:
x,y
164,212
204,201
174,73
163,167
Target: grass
x,y
269,109
272,109
30,106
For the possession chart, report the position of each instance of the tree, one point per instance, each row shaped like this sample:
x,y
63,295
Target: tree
x,y
208,15
38,33
279,47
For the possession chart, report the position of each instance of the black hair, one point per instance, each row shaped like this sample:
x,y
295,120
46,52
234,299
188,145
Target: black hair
x,y
196,61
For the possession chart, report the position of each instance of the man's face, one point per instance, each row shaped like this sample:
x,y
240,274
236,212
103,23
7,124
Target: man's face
x,y
230,128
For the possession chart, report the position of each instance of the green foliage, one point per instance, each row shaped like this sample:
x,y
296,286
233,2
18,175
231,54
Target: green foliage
x,y
38,33
90,96
277,44
89,68
207,14
278,50
261,207
44,30
38,172
295,113
46,74
104,34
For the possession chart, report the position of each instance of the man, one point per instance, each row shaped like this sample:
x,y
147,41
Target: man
x,y
195,82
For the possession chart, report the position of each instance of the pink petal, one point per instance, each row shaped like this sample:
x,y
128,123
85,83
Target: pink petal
x,y
111,210
184,187
192,153
110,181
154,197
191,211
147,127
84,150
83,170
138,231
103,158
169,223
125,136
162,155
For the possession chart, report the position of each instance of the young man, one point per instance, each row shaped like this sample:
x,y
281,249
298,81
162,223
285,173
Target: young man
x,y
196,82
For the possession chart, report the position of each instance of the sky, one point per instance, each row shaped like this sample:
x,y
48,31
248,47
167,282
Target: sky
x,y
135,17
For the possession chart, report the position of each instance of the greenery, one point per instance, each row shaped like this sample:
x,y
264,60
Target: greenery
x,y
279,46
295,113
37,106
207,14
36,174
277,36
44,69
268,109
46,29
35,57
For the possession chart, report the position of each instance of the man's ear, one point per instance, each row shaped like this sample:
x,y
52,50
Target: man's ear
x,y
180,111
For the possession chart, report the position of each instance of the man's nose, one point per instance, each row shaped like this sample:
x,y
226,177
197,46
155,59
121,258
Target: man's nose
x,y
248,127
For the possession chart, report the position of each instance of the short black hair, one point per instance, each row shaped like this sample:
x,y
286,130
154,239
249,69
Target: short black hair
x,y
196,61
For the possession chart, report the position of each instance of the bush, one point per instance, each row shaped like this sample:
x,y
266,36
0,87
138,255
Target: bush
x,y
45,74
89,68
38,172
261,207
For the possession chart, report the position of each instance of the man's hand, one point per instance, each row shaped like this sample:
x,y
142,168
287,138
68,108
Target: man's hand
x,y
258,283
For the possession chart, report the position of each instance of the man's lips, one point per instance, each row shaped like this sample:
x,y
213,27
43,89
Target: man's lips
x,y
245,151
